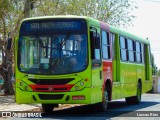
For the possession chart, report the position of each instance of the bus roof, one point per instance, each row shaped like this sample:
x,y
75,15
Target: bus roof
x,y
111,28
57,16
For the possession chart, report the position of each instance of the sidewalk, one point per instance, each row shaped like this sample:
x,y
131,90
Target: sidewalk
x,y
7,103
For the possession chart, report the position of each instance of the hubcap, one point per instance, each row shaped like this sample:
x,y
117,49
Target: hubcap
x,y
106,96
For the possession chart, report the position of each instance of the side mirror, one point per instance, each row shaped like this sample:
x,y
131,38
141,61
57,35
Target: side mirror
x,y
9,43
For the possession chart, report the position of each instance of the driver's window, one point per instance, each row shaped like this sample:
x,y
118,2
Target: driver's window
x,y
95,49
95,46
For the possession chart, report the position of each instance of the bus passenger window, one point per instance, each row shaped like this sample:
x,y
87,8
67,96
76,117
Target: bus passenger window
x,y
123,48
142,50
114,47
138,53
130,50
105,45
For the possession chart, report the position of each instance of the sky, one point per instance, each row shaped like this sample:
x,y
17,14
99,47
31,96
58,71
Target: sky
x,y
147,25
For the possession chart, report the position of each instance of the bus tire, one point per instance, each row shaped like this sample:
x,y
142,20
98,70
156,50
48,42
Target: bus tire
x,y
135,99
104,104
129,100
47,108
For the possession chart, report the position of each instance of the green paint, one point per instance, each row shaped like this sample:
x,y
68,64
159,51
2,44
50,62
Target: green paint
x,y
125,74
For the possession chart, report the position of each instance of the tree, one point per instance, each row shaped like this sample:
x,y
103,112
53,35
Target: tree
x,y
114,12
154,67
158,72
4,9
10,16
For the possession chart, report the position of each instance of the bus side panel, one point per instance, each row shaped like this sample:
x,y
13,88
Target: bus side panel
x,y
96,86
114,79
128,79
117,89
107,70
141,74
147,83
96,67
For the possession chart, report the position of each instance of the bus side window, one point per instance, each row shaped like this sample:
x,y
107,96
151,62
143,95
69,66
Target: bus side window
x,y
95,49
123,48
95,46
130,46
105,45
138,52
142,50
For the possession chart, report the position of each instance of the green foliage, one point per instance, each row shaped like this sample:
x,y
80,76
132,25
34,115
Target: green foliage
x,y
114,12
154,67
158,72
11,13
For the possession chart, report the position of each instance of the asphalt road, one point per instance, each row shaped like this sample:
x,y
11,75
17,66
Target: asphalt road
x,y
148,109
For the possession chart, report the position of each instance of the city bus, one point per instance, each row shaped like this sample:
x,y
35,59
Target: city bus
x,y
79,60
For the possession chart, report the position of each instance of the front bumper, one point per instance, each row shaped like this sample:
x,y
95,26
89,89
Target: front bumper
x,y
76,97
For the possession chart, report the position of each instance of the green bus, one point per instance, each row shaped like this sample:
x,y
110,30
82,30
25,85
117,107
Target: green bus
x,y
79,60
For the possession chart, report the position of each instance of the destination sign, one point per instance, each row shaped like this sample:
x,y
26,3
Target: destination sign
x,y
37,26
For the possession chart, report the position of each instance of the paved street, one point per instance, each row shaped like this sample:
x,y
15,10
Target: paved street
x,y
7,103
118,109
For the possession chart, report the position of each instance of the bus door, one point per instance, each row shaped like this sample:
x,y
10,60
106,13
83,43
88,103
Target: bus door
x,y
96,70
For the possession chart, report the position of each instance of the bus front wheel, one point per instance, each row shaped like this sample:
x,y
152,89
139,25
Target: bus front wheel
x,y
48,107
104,104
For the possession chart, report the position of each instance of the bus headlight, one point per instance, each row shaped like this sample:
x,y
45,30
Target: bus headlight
x,y
81,83
21,83
77,87
24,86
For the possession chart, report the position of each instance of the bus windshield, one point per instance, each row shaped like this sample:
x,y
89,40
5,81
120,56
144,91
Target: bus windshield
x,y
52,50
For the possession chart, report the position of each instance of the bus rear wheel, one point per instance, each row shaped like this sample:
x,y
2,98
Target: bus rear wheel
x,y
135,99
48,107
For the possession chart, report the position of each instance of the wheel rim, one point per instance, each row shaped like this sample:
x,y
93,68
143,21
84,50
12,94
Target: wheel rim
x,y
105,100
